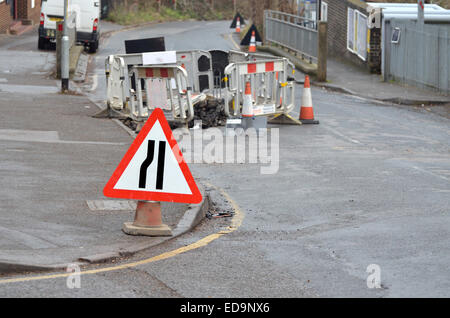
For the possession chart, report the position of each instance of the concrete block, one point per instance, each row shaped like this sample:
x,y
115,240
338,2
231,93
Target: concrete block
x,y
131,229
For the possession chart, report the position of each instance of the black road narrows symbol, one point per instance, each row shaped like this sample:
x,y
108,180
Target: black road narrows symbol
x,y
161,163
148,161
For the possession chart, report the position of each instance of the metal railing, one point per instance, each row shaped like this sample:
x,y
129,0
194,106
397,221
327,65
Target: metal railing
x,y
292,32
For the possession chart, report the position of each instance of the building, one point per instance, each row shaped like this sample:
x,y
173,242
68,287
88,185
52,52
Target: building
x,y
389,39
348,34
18,14
415,50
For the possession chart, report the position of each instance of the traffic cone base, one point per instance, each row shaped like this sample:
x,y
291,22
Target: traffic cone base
x,y
309,121
131,229
147,221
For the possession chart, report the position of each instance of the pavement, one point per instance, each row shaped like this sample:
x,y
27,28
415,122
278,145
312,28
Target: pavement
x,y
357,81
54,162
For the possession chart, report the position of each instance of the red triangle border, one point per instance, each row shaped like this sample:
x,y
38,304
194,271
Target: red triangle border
x,y
109,191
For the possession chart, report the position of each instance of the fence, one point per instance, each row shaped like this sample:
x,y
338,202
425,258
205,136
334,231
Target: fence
x,y
292,32
418,54
305,37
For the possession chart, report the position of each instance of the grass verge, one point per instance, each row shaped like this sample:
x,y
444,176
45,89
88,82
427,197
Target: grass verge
x,y
141,14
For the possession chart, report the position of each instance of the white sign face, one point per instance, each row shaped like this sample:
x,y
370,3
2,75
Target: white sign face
x,y
150,170
156,58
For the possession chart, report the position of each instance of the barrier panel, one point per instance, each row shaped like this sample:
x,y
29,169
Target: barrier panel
x,y
133,88
272,92
119,80
161,87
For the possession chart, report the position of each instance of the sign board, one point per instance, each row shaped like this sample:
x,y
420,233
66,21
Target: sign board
x,y
153,169
145,45
421,11
154,58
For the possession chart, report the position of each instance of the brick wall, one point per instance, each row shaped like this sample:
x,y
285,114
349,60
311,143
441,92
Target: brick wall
x,y
26,12
5,16
22,9
34,14
375,51
337,29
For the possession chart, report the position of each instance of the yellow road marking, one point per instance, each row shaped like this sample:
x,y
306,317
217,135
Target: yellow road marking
x,y
237,46
235,224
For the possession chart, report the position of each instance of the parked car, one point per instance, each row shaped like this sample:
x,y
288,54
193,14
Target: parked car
x,y
88,16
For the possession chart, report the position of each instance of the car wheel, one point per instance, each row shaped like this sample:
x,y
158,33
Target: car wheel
x,y
93,47
42,44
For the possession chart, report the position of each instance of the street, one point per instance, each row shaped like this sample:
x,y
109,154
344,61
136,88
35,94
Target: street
x,y
369,185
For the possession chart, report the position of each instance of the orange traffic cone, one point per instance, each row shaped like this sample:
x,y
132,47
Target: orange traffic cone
x,y
252,47
238,25
306,112
247,107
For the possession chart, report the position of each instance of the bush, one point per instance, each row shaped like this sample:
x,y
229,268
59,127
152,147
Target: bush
x,y
145,11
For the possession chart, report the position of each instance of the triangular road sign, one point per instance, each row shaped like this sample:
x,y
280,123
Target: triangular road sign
x,y
248,36
241,19
153,169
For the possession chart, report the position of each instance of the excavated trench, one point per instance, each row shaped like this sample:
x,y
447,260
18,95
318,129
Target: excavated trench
x,y
210,112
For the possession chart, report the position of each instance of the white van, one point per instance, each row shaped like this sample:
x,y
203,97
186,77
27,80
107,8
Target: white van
x,y
88,17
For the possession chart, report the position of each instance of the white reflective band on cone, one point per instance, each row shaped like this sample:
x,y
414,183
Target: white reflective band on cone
x,y
307,98
247,108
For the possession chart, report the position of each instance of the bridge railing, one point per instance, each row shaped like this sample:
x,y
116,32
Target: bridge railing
x,y
305,37
292,32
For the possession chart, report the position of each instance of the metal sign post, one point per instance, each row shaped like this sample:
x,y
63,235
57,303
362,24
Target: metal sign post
x,y
421,11
65,51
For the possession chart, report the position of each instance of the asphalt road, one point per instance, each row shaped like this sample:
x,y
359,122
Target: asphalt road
x,y
369,185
